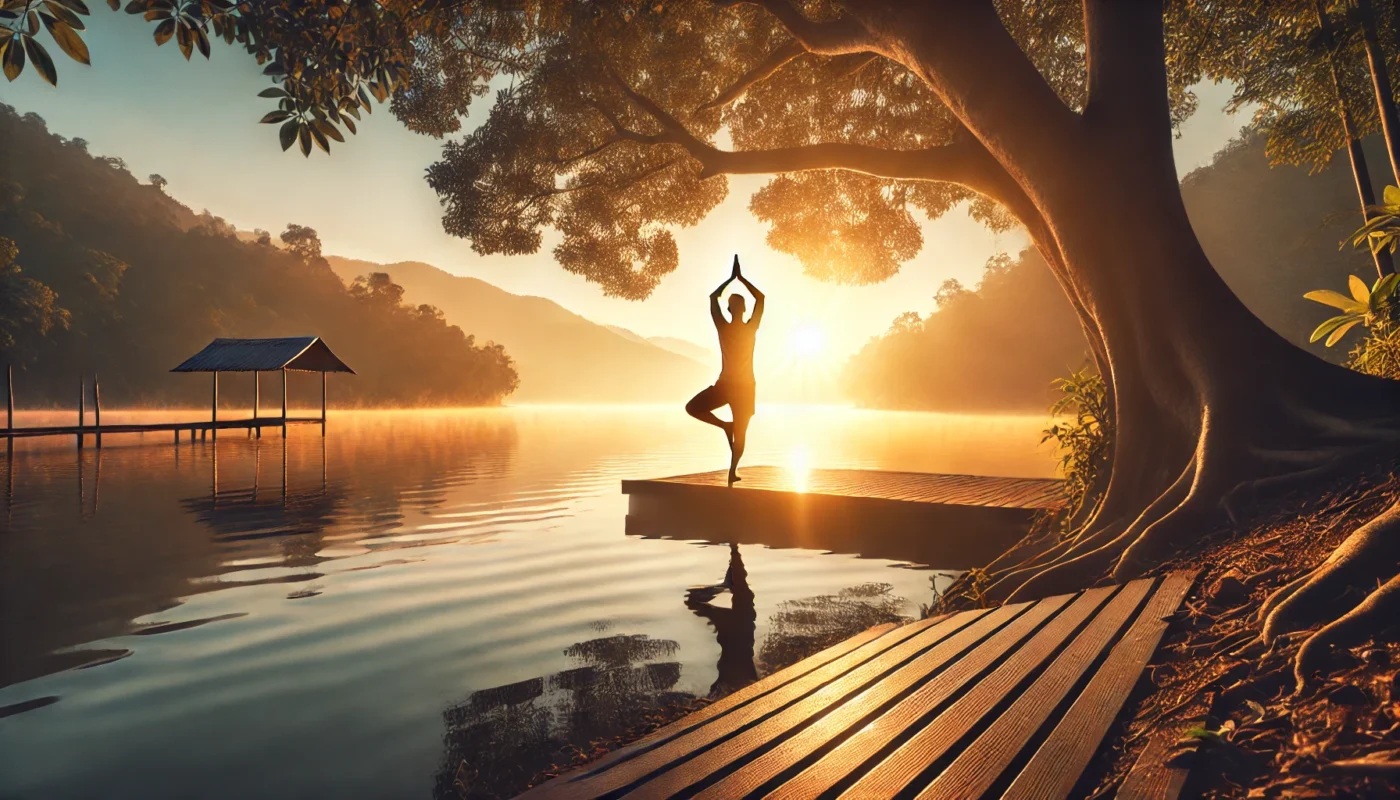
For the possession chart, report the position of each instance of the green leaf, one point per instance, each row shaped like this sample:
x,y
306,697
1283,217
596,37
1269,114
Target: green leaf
x,y
1385,288
304,138
41,60
1359,290
1391,195
1202,734
62,14
1338,300
287,134
13,57
164,31
76,6
275,116
272,92
349,124
201,40
1361,234
1341,331
1329,325
68,41
329,130
185,40
320,139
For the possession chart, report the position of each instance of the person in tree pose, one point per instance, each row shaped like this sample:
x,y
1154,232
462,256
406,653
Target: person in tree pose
x,y
735,386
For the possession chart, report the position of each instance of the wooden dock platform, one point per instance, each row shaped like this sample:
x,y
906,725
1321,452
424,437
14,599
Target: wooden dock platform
x,y
1011,702
946,521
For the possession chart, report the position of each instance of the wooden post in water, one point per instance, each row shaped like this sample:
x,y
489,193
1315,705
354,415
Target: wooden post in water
x,y
82,408
10,397
97,408
257,392
214,414
323,404
284,403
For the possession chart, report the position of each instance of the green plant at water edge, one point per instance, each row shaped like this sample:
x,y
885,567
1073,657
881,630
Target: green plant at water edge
x,y
1382,229
1084,440
1374,307
1371,307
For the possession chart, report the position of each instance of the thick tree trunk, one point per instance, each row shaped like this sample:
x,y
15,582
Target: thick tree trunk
x,y
1207,398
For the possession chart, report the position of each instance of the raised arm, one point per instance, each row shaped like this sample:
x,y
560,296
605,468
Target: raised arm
x,y
715,313
757,315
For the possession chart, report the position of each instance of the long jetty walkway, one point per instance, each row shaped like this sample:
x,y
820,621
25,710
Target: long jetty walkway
x,y
1009,702
199,427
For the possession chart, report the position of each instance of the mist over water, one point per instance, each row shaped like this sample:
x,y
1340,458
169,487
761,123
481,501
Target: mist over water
x,y
384,611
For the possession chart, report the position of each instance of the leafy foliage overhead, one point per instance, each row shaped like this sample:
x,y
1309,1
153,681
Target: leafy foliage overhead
x,y
621,119
595,87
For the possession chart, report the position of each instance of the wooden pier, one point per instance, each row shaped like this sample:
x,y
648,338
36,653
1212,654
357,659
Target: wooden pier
x,y
945,521
1011,702
287,354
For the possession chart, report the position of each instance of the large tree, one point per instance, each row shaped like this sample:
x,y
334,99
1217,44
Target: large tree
x,y
623,119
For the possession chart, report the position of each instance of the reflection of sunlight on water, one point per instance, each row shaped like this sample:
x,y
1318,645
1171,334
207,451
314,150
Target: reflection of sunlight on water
x,y
799,467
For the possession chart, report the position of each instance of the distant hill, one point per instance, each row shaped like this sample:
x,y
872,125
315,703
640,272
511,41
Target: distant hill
x,y
100,272
559,355
682,347
1272,232
687,348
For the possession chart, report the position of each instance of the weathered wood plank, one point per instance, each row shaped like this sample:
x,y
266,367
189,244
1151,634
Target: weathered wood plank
x,y
877,711
855,751
1057,765
1154,776
858,666
905,764
974,771
831,701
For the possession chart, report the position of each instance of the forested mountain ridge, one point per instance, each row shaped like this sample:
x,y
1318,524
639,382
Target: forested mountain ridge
x,y
561,356
128,282
1273,233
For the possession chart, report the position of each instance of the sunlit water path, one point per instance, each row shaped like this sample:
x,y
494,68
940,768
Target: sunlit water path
x,y
416,599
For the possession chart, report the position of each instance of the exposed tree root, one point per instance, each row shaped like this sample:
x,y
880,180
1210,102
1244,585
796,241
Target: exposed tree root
x,y
1273,739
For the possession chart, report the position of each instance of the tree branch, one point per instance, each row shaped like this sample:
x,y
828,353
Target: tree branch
x,y
769,65
966,55
964,161
829,38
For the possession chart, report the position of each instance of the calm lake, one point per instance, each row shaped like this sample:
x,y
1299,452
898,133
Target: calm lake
x,y
417,599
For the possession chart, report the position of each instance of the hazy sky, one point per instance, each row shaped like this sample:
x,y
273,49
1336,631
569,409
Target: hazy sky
x,y
196,124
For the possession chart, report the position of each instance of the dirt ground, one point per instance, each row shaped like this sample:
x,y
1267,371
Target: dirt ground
x,y
1228,710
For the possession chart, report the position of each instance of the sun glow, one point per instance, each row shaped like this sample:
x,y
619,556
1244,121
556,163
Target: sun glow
x,y
808,341
799,468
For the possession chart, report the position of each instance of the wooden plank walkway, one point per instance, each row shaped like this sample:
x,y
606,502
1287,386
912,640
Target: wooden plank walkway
x,y
946,521
1009,702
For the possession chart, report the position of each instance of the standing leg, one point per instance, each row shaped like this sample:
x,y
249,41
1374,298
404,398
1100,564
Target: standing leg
x,y
736,444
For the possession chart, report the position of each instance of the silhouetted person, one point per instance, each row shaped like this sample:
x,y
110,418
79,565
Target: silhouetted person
x,y
734,626
736,386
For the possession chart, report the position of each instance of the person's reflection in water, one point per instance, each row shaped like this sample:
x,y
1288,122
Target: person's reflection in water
x,y
734,626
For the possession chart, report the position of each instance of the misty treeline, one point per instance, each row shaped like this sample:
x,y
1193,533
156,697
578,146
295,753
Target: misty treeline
x,y
102,273
1274,233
